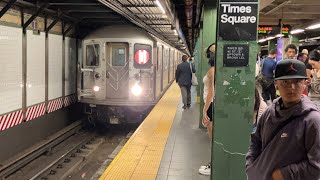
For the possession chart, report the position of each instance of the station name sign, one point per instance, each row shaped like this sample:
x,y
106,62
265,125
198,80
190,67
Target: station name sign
x,y
238,20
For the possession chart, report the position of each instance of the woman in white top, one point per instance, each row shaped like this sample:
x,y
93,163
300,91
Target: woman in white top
x,y
208,97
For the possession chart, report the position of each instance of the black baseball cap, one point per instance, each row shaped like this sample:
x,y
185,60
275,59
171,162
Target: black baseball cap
x,y
290,69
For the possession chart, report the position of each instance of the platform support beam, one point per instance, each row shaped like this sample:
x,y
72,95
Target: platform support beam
x,y
208,35
272,44
235,83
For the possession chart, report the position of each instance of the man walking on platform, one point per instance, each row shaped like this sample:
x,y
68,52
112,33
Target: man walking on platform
x,y
183,78
286,143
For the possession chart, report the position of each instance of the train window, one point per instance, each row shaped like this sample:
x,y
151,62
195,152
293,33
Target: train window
x,y
118,56
142,56
92,55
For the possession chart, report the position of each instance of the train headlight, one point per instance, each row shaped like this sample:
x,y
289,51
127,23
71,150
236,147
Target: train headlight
x,y
136,90
96,88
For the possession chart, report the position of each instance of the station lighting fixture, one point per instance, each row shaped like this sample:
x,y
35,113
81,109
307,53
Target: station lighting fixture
x,y
297,31
160,6
269,38
279,35
262,40
315,26
175,32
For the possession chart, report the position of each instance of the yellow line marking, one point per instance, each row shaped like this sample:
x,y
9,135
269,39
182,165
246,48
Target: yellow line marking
x,y
141,155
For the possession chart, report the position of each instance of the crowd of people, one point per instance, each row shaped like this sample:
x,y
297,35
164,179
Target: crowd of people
x,y
285,142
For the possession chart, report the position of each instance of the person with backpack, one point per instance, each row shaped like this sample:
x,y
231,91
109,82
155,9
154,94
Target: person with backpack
x,y
286,143
266,76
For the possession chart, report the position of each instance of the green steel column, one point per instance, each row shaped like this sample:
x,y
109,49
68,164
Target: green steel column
x,y
234,96
294,40
209,33
198,57
272,44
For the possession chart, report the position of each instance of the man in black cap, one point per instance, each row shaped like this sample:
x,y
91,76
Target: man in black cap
x,y
286,144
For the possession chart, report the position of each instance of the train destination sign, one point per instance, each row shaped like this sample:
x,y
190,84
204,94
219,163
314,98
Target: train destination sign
x,y
235,55
238,20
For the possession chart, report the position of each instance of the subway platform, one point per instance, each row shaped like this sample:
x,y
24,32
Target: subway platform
x,y
168,145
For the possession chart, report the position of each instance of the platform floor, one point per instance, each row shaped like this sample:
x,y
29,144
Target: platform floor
x,y
187,147
167,145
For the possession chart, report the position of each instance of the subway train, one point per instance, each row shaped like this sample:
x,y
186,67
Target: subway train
x,y
123,73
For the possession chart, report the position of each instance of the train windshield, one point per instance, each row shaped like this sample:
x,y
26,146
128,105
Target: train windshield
x,y
118,56
92,55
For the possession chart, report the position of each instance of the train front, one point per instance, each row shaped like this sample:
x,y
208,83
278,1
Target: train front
x,y
117,80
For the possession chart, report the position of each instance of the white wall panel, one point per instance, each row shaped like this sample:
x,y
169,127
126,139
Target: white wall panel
x,y
70,67
55,66
35,68
10,69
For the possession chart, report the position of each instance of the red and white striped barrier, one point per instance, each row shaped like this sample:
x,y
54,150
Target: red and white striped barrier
x,y
10,120
69,100
55,105
35,111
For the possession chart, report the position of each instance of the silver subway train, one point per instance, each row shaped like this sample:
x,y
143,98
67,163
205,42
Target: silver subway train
x,y
124,72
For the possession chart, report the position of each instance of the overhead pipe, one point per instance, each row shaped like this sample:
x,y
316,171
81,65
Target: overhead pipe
x,y
188,6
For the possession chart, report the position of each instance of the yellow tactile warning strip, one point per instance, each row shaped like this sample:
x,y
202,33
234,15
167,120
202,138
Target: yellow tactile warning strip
x,y
141,155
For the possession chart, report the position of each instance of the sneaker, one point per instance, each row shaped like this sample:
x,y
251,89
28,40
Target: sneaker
x,y
206,166
188,105
206,171
184,107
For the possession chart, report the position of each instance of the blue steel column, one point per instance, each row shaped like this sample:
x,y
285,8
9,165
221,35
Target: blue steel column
x,y
234,96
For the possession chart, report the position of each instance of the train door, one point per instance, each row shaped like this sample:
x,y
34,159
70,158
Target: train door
x,y
117,70
159,70
169,64
165,69
91,65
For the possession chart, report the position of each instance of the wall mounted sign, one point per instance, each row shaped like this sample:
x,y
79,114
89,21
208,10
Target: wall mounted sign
x,y
235,55
238,20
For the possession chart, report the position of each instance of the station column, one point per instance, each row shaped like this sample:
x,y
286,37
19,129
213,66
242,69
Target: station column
x,y
207,36
235,83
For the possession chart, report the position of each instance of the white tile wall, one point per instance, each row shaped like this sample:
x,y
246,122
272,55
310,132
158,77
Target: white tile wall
x,y
35,68
10,69
55,66
70,67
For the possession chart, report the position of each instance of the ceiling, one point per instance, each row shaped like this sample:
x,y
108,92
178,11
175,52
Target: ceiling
x,y
296,13
170,22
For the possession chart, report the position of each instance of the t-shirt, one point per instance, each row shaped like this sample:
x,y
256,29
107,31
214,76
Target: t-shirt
x,y
268,67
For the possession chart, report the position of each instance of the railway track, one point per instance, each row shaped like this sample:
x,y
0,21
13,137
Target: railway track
x,y
15,163
66,155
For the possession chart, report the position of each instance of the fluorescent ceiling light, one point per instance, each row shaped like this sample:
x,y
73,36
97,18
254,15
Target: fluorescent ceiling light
x,y
160,6
262,40
175,32
277,7
269,38
316,26
279,35
315,38
296,31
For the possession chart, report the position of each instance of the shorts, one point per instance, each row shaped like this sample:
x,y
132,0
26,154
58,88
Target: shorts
x,y
210,112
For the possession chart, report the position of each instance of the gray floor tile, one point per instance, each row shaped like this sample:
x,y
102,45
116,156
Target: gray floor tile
x,y
179,178
161,177
180,172
187,147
